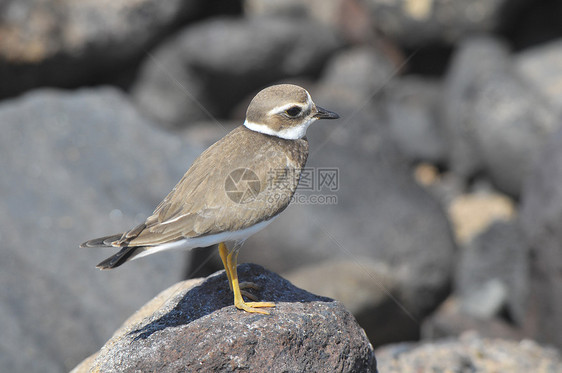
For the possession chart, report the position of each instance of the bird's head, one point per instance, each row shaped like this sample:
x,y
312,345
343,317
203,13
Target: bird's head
x,y
285,111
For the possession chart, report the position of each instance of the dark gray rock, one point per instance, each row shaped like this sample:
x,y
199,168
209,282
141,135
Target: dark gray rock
x,y
541,68
197,328
495,122
486,301
495,261
349,18
324,11
537,24
213,64
68,43
380,212
76,165
541,214
420,22
368,289
451,319
412,106
511,124
469,353
363,71
472,63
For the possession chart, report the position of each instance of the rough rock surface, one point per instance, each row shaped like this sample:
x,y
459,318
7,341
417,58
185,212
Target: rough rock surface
x,y
541,214
74,166
66,43
469,353
213,64
196,328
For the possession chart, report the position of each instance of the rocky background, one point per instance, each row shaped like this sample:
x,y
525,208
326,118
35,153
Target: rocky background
x,y
449,156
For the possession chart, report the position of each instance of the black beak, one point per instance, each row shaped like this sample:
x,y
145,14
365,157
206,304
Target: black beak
x,y
325,114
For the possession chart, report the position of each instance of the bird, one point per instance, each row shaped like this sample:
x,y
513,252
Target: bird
x,y
235,188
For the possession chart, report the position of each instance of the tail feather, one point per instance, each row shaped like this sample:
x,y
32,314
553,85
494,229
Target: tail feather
x,y
102,241
124,255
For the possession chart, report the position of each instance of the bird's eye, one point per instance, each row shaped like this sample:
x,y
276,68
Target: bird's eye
x,y
293,111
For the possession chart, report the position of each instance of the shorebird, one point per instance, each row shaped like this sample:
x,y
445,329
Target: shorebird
x,y
235,188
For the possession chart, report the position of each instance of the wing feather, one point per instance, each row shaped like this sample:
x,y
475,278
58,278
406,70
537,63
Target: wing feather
x,y
199,204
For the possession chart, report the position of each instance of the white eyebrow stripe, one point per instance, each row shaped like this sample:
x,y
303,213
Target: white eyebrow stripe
x,y
309,98
280,109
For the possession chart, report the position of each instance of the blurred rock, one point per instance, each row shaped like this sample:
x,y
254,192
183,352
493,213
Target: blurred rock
x,y
472,64
445,187
469,353
325,11
485,301
472,214
541,67
426,174
76,165
497,257
412,105
364,71
350,17
511,123
145,311
380,213
197,328
452,320
367,289
537,23
422,22
495,122
205,70
541,214
68,43
206,133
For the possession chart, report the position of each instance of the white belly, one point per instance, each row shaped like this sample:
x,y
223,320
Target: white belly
x,y
204,241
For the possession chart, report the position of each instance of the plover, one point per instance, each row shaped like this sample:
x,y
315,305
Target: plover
x,y
235,188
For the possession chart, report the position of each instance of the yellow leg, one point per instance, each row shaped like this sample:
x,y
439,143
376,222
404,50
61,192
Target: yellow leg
x,y
223,252
231,261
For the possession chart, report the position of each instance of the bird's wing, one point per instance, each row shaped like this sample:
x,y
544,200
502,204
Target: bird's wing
x,y
105,241
204,202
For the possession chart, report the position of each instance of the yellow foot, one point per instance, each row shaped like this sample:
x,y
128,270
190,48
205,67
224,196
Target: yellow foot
x,y
254,306
230,260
